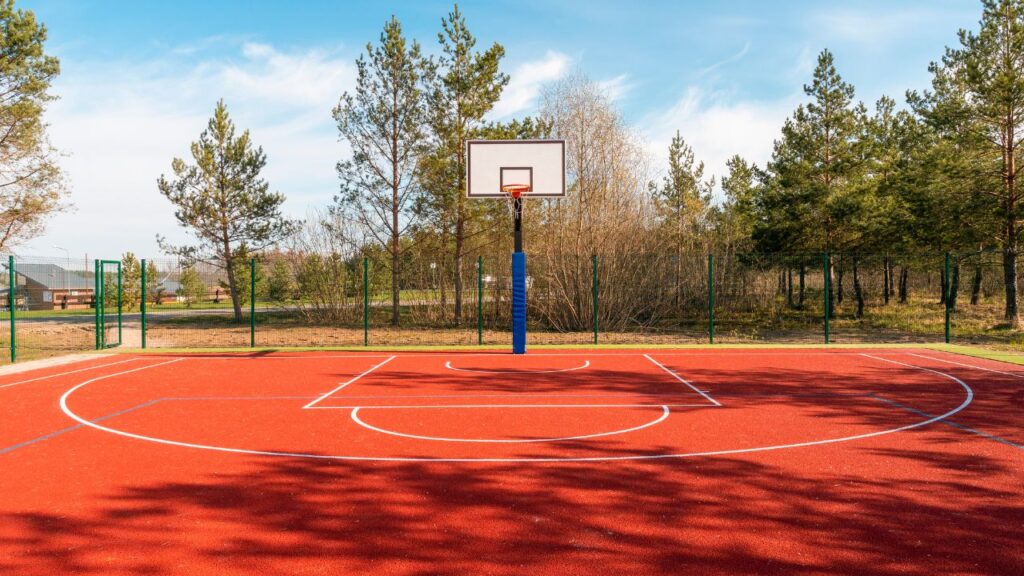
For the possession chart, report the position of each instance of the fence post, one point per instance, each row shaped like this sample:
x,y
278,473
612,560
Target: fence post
x,y
120,311
252,303
711,298
826,259
366,301
595,285
12,301
142,303
948,296
479,300
96,302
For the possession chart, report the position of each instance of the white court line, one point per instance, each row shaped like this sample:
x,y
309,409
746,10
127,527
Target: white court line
x,y
659,420
967,365
449,366
683,380
343,384
339,457
69,372
443,406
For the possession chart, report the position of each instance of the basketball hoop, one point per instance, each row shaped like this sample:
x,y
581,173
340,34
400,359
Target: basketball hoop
x,y
515,193
515,190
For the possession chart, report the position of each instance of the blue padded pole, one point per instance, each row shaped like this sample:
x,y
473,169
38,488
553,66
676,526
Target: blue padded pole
x,y
518,303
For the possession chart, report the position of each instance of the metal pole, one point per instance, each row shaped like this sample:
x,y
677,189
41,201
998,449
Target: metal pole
x,y
480,300
366,301
594,286
96,300
711,298
12,302
120,290
252,303
142,303
101,279
949,296
828,286
517,204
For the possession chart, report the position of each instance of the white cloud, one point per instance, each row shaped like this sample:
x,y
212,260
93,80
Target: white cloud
x,y
872,30
717,128
122,122
616,88
526,81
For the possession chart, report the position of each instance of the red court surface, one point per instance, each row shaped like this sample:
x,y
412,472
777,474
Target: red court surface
x,y
621,462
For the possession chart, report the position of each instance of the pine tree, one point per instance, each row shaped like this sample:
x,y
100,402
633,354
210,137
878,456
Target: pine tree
x,y
32,187
975,104
463,86
383,123
684,195
223,200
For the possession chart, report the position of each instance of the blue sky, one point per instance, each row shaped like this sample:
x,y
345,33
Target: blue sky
x,y
140,80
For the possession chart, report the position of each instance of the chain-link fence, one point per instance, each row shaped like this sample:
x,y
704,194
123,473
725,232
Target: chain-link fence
x,y
288,299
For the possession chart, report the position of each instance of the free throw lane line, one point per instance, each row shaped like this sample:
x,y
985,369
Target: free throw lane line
x,y
683,380
659,420
346,383
448,365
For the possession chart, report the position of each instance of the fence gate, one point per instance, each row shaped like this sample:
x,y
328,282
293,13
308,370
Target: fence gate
x,y
108,304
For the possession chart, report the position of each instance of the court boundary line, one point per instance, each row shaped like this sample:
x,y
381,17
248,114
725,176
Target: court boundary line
x,y
982,368
346,383
683,380
355,417
87,368
635,457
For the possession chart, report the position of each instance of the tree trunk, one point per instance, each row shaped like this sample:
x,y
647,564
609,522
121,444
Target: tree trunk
x,y
840,270
886,271
395,284
803,284
942,285
229,261
831,289
460,246
788,279
1010,280
976,285
892,278
858,293
904,274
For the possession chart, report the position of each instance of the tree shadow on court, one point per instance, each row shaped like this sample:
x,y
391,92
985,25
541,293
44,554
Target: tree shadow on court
x,y
709,515
924,501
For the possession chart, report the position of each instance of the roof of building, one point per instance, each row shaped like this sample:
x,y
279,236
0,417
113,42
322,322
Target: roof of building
x,y
53,277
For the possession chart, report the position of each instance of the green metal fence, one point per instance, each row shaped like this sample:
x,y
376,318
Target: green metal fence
x,y
59,305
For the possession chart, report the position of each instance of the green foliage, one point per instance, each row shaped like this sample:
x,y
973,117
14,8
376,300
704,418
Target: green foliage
x,y
131,282
192,290
32,187
684,195
281,285
223,200
155,289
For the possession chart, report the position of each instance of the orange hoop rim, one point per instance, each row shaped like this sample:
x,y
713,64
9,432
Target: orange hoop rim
x,y
515,190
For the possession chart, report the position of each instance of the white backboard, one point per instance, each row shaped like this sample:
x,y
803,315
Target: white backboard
x,y
490,164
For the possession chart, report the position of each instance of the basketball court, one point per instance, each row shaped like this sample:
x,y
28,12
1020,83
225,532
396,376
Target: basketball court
x,y
554,462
